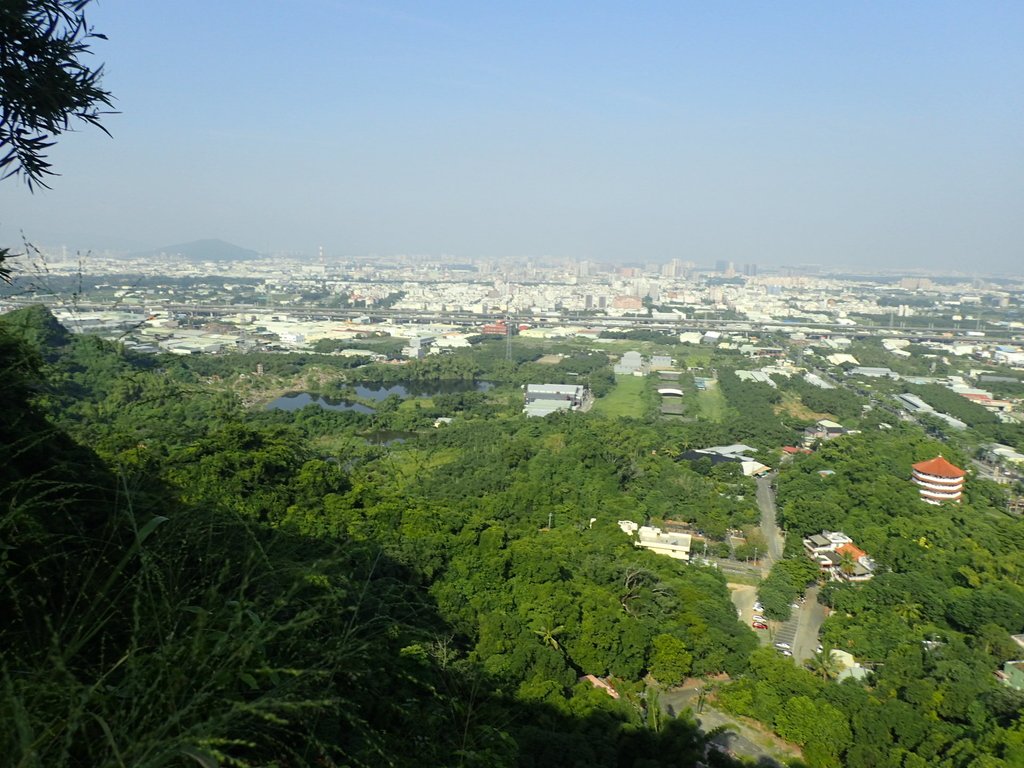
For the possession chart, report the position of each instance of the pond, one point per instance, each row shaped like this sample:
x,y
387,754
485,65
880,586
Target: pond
x,y
302,399
387,436
420,389
376,393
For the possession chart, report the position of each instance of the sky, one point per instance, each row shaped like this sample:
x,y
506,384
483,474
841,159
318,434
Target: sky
x,y
867,135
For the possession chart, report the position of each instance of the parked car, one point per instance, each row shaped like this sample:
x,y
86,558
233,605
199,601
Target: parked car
x,y
758,607
760,618
784,646
786,653
759,625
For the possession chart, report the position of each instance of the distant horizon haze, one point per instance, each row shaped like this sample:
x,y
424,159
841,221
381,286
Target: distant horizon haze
x,y
189,252
861,137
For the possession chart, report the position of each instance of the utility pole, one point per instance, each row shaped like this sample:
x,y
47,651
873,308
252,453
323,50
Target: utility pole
x,y
551,520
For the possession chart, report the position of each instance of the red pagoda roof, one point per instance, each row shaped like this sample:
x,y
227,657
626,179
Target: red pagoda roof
x,y
939,467
852,550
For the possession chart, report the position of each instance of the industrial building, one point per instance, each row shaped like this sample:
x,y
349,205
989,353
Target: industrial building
x,y
542,399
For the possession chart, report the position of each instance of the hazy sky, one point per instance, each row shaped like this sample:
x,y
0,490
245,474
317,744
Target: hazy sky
x,y
866,134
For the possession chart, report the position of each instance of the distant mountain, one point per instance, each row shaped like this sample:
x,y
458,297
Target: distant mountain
x,y
202,250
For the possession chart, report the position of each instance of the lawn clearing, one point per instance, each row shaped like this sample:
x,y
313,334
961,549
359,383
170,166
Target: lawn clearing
x,y
625,400
711,402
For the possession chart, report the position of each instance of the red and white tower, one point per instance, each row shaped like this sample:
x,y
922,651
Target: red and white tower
x,y
938,480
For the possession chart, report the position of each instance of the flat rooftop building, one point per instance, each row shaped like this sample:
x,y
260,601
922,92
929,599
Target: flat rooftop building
x,y
543,399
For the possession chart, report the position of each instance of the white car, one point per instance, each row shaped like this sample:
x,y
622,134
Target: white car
x,y
760,618
786,653
784,646
758,607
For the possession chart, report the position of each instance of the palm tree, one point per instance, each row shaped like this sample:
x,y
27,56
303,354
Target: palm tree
x,y
908,611
847,564
822,663
549,634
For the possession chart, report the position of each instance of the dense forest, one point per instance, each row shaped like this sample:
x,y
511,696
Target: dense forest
x,y
931,626
194,579
187,579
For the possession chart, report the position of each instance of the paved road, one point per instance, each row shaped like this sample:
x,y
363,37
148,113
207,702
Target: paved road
x,y
812,614
770,529
743,597
802,629
993,473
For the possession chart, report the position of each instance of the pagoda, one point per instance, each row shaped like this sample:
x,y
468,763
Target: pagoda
x,y
937,480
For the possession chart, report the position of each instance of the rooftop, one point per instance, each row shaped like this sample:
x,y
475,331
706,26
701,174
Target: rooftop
x,y
852,550
939,467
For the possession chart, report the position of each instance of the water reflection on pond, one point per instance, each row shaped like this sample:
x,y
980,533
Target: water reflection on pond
x,y
302,399
376,392
388,436
420,389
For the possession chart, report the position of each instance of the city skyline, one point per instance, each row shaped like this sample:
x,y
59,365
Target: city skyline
x,y
847,137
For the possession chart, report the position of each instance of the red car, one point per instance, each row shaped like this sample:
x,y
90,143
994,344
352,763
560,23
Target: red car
x,y
759,625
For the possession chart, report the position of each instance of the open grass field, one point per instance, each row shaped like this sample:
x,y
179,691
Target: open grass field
x,y
693,357
712,403
792,405
548,360
625,400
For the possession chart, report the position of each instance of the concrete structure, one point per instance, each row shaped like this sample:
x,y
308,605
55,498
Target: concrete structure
x,y
824,429
414,351
840,358
542,399
938,480
987,402
874,373
675,545
997,452
838,557
729,453
758,377
913,403
847,666
816,380
631,364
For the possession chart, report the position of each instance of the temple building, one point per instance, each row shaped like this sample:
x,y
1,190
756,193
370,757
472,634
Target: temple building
x,y
938,480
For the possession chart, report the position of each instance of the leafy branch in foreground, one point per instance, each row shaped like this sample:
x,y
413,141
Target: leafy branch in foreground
x,y
44,86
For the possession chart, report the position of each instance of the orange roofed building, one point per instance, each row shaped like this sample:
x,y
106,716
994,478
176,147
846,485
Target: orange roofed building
x,y
937,480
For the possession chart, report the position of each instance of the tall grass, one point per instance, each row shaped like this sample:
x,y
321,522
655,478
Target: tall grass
x,y
145,644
